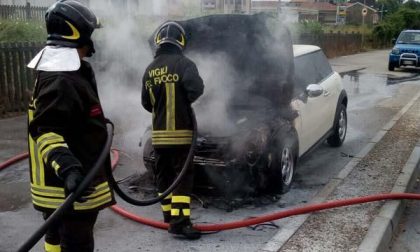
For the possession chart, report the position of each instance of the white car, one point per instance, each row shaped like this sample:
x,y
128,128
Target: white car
x,y
261,154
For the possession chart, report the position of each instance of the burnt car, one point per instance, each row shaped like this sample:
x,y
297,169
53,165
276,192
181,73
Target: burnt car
x,y
283,101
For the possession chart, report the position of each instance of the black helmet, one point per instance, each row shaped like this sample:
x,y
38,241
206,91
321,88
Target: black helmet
x,y
70,23
172,33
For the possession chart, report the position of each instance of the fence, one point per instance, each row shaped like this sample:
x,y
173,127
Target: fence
x,y
27,12
334,44
339,44
16,80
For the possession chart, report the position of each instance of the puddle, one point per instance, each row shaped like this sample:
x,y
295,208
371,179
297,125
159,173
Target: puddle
x,y
365,89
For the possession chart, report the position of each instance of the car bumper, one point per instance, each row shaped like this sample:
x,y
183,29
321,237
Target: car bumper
x,y
405,59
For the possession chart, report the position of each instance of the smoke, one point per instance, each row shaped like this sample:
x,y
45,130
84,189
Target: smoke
x,y
211,109
122,56
123,53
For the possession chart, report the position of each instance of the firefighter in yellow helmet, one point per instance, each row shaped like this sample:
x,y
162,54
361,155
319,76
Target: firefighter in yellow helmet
x,y
171,83
67,129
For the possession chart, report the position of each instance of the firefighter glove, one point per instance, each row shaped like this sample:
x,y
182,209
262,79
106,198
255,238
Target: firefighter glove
x,y
72,179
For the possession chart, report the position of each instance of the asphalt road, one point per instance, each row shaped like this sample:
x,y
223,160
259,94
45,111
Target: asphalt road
x,y
374,97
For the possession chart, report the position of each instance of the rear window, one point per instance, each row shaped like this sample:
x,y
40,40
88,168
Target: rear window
x,y
311,68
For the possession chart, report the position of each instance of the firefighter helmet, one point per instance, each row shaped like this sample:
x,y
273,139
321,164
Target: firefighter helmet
x,y
172,33
70,23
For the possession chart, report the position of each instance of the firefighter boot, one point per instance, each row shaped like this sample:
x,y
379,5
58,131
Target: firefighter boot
x,y
166,208
180,224
51,248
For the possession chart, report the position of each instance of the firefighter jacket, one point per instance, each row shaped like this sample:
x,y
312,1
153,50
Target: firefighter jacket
x,y
67,129
170,84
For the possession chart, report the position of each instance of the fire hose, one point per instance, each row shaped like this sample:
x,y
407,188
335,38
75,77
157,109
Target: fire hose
x,y
174,184
252,221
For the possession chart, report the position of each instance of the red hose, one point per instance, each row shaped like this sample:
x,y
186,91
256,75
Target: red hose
x,y
274,216
13,160
247,222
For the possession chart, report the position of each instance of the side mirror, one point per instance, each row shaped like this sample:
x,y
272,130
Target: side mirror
x,y
393,41
314,90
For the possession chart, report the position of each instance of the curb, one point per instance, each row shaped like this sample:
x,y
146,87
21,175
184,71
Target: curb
x,y
385,224
281,237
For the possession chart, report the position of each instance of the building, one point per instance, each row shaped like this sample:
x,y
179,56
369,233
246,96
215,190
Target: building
x,y
225,6
322,12
271,6
354,14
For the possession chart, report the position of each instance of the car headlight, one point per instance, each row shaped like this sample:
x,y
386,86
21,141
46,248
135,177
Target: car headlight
x,y
395,50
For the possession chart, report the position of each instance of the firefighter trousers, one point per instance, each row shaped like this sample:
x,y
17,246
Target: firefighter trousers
x,y
73,233
168,164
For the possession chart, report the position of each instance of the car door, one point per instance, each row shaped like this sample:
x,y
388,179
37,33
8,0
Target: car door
x,y
309,124
329,82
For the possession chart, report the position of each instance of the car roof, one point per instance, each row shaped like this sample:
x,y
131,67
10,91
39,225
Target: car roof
x,y
411,31
299,50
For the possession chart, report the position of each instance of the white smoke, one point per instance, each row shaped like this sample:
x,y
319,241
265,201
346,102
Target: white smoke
x,y
123,55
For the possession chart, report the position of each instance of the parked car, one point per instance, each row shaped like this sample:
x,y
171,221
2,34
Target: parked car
x,y
270,137
406,50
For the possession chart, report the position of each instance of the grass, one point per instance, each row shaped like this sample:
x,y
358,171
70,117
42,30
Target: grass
x,y
22,31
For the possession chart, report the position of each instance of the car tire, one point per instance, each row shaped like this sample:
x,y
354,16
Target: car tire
x,y
391,66
282,160
340,127
148,150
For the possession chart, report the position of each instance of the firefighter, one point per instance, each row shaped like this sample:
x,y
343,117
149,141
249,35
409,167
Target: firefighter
x,y
171,83
67,128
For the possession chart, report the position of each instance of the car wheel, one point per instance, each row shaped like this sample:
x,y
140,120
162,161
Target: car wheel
x,y
148,150
340,128
391,66
282,163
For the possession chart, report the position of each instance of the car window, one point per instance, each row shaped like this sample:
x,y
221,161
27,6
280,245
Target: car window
x,y
311,68
409,37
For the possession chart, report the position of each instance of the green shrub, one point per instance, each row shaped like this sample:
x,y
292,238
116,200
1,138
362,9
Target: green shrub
x,y
21,31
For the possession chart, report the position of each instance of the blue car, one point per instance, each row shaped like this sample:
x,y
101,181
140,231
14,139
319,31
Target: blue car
x,y
406,51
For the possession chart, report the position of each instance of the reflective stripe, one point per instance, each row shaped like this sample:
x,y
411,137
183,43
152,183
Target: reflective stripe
x,y
97,193
48,141
49,137
52,248
176,141
93,203
45,152
152,97
37,166
97,199
181,199
47,188
170,106
166,208
55,203
165,133
48,192
42,202
167,197
55,166
172,137
186,212
174,212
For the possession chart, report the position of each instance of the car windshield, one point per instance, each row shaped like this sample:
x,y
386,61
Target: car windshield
x,y
409,38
